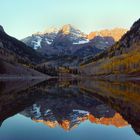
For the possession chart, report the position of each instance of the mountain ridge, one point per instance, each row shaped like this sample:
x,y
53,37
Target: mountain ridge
x,y
116,33
67,41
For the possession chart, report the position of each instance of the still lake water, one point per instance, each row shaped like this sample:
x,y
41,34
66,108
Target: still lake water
x,y
69,110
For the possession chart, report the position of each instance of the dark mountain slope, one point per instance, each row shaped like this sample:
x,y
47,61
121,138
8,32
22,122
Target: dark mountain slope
x,y
17,59
10,70
19,48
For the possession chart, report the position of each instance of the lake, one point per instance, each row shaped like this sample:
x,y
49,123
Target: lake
x,y
59,109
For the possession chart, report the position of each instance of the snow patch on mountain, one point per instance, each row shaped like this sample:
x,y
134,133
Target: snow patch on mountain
x,y
48,41
81,42
37,42
36,111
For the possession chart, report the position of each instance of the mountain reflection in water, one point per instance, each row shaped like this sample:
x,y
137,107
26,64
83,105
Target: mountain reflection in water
x,y
69,103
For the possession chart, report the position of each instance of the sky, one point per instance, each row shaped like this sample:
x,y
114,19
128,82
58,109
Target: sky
x,y
21,18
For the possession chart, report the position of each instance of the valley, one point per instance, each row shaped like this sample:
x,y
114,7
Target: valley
x,y
102,53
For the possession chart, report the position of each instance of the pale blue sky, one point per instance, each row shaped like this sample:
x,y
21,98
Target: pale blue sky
x,y
21,18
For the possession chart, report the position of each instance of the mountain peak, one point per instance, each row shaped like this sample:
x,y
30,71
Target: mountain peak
x,y
1,29
66,29
69,29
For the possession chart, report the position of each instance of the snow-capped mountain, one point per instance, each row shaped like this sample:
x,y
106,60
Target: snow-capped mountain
x,y
68,40
65,41
72,34
57,42
40,39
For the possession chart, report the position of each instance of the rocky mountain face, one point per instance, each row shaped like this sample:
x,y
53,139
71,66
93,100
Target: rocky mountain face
x,y
67,39
123,57
116,33
69,42
38,40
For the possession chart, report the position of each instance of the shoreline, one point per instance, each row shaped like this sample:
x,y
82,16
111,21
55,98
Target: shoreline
x,y
15,77
120,78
